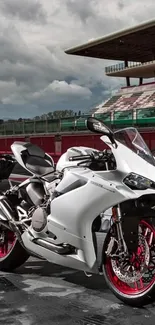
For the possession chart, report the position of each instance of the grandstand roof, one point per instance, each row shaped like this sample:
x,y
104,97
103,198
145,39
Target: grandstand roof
x,y
132,44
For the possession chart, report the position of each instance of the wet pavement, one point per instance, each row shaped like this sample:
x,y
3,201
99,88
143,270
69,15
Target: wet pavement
x,y
47,294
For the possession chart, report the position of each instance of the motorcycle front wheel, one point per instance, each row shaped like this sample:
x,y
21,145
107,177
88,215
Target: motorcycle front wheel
x,y
133,280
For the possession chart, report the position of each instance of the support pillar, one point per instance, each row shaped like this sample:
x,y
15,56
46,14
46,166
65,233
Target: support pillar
x,y
127,78
140,81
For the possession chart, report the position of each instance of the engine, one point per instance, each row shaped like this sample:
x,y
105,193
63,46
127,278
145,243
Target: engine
x,y
28,206
36,193
39,217
37,209
41,204
36,215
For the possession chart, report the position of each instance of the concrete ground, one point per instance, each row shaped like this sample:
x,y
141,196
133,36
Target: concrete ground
x,y
47,294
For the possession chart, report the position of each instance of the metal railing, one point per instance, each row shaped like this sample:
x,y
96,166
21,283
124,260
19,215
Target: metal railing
x,y
122,66
76,124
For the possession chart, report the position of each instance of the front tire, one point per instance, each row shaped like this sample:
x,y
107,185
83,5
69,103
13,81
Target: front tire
x,y
12,254
140,292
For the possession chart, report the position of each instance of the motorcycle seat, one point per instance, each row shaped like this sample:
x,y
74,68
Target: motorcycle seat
x,y
39,166
34,158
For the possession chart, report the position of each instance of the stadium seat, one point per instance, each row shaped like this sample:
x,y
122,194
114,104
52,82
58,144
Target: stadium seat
x,y
80,122
105,117
132,103
124,118
112,101
67,124
145,116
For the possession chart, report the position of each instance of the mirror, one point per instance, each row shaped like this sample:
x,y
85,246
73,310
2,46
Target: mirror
x,y
98,126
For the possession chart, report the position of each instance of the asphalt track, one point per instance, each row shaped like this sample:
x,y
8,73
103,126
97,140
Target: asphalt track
x,y
39,293
46,294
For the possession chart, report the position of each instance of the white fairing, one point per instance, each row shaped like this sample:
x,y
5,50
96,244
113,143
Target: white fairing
x,y
85,194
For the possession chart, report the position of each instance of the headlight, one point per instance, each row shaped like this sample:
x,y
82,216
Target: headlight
x,y
139,182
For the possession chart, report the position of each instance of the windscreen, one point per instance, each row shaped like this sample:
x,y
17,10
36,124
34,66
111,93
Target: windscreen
x,y
131,138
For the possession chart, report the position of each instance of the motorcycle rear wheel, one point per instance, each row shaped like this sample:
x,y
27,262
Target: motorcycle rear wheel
x,y
12,254
141,292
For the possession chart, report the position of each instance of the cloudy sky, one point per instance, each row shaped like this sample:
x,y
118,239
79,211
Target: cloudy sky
x,y
36,76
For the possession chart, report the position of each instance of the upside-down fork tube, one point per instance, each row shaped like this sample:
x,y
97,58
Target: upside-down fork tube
x,y
117,219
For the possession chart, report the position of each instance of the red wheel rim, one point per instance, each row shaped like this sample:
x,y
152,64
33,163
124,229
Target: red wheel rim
x,y
8,243
142,285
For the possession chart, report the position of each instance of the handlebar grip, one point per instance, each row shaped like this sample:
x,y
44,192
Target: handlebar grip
x,y
81,157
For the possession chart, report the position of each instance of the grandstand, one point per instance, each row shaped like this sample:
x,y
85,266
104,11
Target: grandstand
x,y
130,98
131,105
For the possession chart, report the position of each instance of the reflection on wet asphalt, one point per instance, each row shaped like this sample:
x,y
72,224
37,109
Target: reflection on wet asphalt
x,y
46,294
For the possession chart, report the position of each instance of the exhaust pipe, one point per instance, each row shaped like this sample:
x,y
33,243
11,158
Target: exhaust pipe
x,y
62,250
7,212
8,217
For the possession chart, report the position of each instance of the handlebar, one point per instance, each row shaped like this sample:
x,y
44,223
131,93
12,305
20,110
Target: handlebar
x,y
80,157
98,155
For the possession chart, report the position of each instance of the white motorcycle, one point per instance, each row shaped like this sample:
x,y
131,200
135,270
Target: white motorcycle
x,y
56,214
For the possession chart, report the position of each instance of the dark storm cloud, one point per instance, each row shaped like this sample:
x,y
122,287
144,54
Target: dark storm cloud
x,y
95,15
37,66
12,46
35,74
28,10
25,64
81,8
121,5
16,59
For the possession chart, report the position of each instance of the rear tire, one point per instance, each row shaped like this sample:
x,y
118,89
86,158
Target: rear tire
x,y
141,292
12,254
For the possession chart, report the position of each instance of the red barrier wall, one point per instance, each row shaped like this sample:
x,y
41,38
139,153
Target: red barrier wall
x,y
149,138
94,141
5,143
45,142
88,140
48,142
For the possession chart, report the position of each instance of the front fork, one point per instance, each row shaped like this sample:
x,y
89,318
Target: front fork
x,y
116,217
